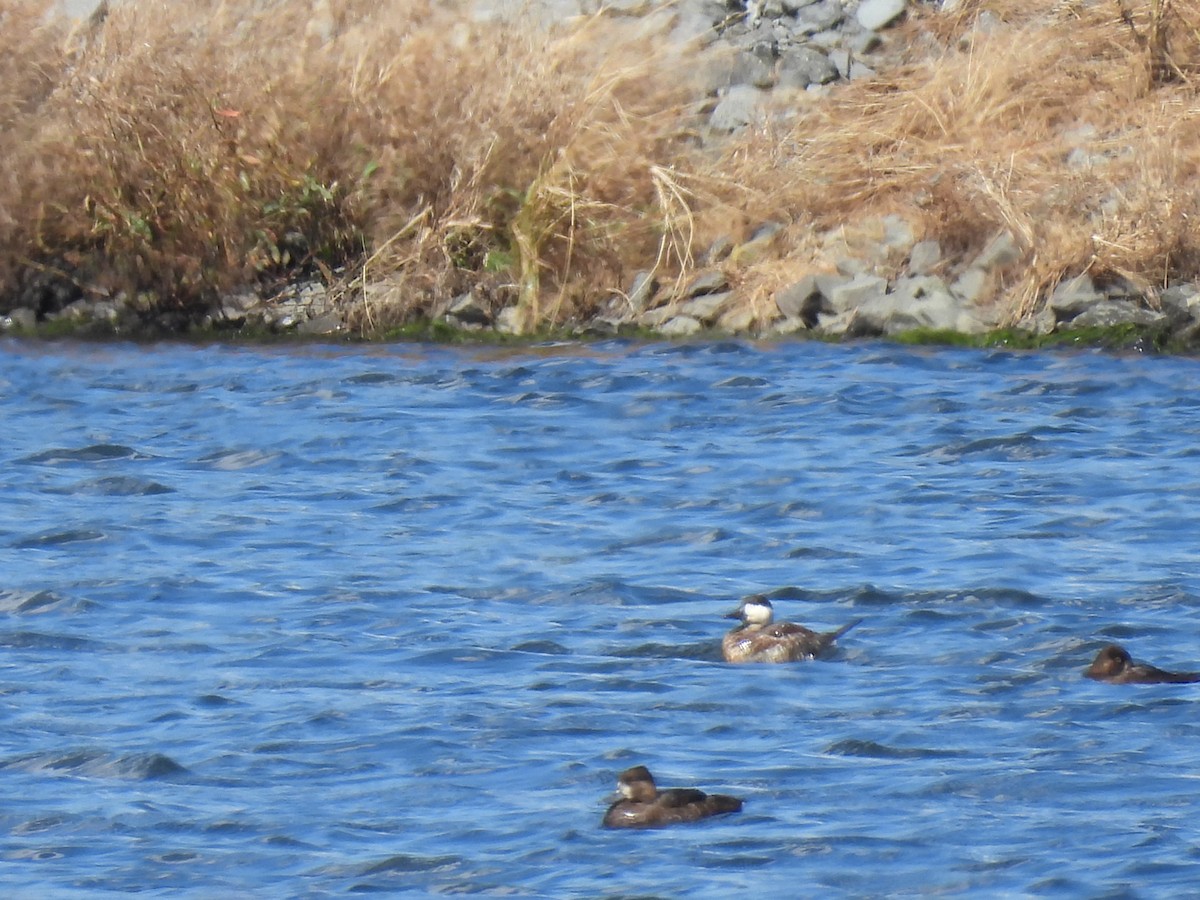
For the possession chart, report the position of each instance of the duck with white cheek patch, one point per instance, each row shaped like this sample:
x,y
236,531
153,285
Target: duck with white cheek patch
x,y
761,639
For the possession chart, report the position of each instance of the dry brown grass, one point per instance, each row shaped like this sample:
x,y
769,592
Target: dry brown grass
x,y
184,149
1062,125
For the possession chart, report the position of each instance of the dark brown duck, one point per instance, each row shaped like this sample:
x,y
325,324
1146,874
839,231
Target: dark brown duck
x,y
1114,665
642,805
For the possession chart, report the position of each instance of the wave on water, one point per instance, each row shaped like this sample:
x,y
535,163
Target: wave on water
x,y
91,454
98,764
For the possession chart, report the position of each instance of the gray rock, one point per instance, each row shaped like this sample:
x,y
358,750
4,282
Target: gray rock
x,y
753,68
714,69
327,323
850,266
801,66
716,10
1001,250
897,234
77,310
1181,303
679,326
758,246
924,257
641,290
712,281
1110,313
509,320
873,318
242,301
1120,288
655,318
786,326
693,26
922,302
920,287
820,16
738,320
826,40
854,293
1043,322
741,105
231,313
859,70
719,249
834,324
705,308
792,7
282,315
20,319
876,14
863,42
770,9
468,309
973,285
926,302
849,66
827,281
602,326
800,301
104,311
1073,296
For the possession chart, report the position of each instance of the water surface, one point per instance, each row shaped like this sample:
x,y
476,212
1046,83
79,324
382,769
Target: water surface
x,y
307,621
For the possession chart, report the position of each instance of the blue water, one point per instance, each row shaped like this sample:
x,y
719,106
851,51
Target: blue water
x,y
306,621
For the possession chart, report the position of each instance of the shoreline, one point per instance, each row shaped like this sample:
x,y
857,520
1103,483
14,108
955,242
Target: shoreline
x,y
752,241
1142,339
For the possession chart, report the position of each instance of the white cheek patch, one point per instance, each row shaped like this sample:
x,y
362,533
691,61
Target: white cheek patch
x,y
758,615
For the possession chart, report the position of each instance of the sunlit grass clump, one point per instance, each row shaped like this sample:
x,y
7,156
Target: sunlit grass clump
x,y
185,149
403,154
1074,127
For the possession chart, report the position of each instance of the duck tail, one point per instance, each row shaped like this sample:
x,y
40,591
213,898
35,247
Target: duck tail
x,y
834,635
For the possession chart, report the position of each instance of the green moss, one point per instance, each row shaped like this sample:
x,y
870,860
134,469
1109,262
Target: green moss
x,y
937,336
1157,338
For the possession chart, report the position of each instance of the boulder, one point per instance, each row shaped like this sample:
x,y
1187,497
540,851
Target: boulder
x,y
741,105
876,14
326,323
641,289
1073,296
20,319
738,320
1112,313
924,257
820,16
712,281
680,326
1181,303
801,66
855,292
1002,250
468,309
800,301
706,308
